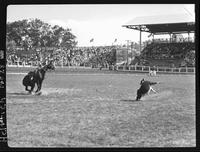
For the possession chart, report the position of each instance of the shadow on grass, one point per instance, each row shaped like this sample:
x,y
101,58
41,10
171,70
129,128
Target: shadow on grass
x,y
19,94
129,100
24,94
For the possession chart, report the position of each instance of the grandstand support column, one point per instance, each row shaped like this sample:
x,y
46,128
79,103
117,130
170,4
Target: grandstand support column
x,y
153,37
127,52
17,63
188,36
170,37
140,39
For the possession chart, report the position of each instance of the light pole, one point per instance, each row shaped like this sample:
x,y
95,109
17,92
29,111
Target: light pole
x,y
127,50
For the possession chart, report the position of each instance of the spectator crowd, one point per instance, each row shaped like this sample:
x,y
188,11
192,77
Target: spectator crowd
x,y
104,56
79,56
171,51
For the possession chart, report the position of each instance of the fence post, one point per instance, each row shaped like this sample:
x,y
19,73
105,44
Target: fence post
x,y
18,63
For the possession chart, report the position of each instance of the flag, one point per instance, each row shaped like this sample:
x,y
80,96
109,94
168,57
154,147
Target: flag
x,y
92,40
115,40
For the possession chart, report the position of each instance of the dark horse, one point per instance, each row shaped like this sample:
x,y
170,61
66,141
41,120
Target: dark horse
x,y
36,77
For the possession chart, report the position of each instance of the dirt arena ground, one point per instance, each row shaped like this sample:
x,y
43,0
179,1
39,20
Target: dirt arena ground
x,y
96,109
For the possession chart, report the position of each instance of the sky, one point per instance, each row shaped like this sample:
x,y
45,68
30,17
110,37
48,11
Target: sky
x,y
102,22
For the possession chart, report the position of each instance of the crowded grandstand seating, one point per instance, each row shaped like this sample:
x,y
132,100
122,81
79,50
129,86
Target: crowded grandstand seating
x,y
154,54
168,54
76,57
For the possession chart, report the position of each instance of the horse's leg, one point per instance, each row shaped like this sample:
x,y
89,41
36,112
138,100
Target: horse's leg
x,y
38,85
32,87
26,88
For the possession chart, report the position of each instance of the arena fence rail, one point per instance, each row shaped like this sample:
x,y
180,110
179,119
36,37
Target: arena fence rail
x,y
139,68
136,68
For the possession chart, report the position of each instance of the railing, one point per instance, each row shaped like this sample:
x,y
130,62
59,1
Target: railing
x,y
146,69
136,68
171,40
22,64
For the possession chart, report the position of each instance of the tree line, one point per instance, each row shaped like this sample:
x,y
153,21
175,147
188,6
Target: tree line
x,y
30,34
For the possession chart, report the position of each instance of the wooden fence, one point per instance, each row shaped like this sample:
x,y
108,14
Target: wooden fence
x,y
135,68
146,69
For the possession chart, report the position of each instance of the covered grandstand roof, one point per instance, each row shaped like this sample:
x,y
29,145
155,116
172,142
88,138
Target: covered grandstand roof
x,y
158,24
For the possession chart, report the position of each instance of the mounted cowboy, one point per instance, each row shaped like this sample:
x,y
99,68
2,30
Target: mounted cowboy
x,y
36,77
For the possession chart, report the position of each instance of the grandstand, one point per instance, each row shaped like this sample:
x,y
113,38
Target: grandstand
x,y
175,51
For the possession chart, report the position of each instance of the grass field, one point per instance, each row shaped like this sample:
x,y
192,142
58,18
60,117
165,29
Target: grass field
x,y
99,110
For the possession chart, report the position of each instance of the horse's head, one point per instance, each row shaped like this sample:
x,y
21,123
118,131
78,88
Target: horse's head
x,y
50,66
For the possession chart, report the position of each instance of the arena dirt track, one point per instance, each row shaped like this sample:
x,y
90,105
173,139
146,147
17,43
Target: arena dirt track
x,y
99,110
